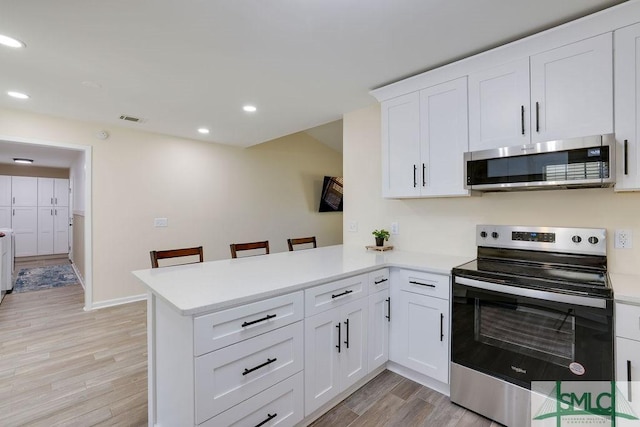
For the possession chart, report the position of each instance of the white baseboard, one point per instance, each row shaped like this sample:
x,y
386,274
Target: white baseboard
x,y
117,301
79,276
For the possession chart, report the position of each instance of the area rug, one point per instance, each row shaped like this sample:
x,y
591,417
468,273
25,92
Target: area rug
x,y
37,278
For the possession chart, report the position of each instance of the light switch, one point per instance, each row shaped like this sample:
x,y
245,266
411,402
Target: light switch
x,y
161,222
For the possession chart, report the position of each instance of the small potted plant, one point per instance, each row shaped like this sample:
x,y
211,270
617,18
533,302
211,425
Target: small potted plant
x,y
381,235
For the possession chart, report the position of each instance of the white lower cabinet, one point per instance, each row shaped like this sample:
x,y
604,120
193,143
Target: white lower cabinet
x,y
25,230
280,405
628,354
419,337
335,352
379,318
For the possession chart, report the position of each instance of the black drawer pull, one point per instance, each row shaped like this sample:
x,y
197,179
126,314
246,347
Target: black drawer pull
x,y
377,282
253,322
537,117
269,418
413,282
424,173
626,156
522,118
388,316
441,327
347,292
268,362
629,380
339,346
415,183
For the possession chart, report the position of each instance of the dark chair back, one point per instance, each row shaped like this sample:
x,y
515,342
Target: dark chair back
x,y
175,253
237,247
302,241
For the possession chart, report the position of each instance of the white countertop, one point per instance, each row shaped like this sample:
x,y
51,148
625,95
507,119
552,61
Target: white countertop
x,y
214,285
626,287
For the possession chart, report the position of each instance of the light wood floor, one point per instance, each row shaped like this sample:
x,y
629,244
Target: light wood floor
x,y
390,400
60,365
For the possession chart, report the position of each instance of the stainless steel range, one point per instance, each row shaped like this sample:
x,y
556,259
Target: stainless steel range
x,y
536,305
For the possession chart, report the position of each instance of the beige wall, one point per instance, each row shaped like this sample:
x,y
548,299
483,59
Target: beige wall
x,y
211,194
447,225
78,244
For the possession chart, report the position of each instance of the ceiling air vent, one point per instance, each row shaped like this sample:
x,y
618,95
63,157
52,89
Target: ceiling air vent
x,y
131,119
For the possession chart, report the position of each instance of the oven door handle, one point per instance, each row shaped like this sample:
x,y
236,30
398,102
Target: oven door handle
x,y
533,293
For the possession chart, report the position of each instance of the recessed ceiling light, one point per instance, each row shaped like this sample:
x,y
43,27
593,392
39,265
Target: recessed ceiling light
x,y
249,108
203,130
18,95
10,41
21,160
91,84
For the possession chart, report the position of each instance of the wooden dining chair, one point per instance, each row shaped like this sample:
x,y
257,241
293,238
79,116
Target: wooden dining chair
x,y
236,247
302,241
175,253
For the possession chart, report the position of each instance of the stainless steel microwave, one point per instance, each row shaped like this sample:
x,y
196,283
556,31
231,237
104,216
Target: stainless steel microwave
x,y
568,163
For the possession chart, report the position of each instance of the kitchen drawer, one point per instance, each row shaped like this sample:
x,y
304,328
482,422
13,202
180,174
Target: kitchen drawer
x,y
334,294
280,405
223,328
378,280
435,285
628,321
233,374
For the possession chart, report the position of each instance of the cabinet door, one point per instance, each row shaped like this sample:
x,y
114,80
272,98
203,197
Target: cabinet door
x,y
572,90
628,366
353,355
5,216
321,363
25,229
24,191
401,146
379,318
61,230
499,106
627,107
444,139
45,230
45,192
61,192
5,190
423,324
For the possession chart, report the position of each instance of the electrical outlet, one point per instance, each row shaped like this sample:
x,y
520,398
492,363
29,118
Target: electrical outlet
x,y
623,239
394,228
160,222
353,226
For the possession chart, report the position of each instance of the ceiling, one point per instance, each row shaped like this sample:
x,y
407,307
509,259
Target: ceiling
x,y
41,155
181,65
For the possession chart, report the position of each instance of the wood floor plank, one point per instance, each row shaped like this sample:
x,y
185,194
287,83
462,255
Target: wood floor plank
x,y
363,398
338,416
378,414
60,365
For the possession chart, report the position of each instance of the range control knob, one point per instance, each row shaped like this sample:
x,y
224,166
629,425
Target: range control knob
x,y
593,240
576,239
483,234
495,235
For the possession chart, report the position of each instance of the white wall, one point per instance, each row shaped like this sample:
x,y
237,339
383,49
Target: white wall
x,y
447,225
212,195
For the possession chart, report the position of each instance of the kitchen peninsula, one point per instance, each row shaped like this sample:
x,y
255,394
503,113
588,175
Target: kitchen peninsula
x,y
227,340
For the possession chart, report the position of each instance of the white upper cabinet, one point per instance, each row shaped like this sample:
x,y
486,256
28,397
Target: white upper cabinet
x,y
561,93
24,191
5,190
401,146
499,106
424,135
53,192
572,90
627,107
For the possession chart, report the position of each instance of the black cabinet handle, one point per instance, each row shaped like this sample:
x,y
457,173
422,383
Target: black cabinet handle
x,y
339,346
268,362
377,282
522,118
51,212
388,316
413,282
538,117
346,322
253,322
626,157
629,380
424,173
441,327
347,292
415,183
269,418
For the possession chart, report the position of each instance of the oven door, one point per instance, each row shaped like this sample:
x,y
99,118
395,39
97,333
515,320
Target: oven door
x,y
522,335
